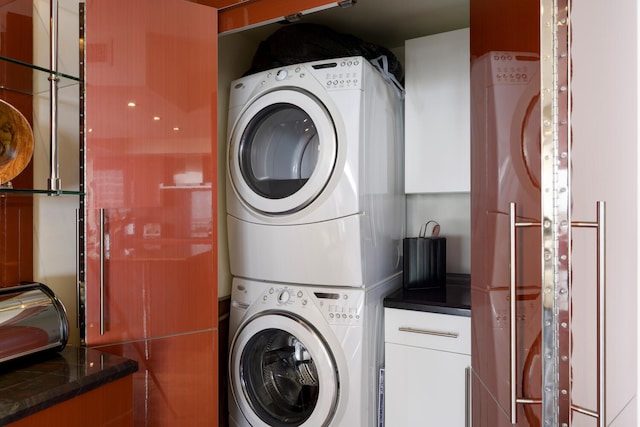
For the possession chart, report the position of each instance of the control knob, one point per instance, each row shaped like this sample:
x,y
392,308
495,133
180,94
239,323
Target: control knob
x,y
281,75
284,296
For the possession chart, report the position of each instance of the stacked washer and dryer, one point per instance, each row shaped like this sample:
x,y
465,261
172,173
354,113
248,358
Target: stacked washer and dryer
x,y
315,215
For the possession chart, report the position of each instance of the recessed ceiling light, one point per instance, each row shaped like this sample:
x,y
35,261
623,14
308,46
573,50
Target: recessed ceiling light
x,y
131,104
176,128
156,118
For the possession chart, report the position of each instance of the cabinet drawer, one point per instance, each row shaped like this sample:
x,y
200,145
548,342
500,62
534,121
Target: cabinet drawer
x,y
428,330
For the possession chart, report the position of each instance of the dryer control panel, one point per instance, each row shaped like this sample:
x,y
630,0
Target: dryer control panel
x,y
344,73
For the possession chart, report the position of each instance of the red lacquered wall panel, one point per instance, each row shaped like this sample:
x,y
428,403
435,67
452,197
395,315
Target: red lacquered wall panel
x,y
505,167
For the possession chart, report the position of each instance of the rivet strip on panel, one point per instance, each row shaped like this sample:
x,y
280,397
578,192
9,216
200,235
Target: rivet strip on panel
x,y
556,196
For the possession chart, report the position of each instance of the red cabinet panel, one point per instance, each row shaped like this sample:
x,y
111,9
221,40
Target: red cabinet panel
x,y
505,168
150,206
151,99
178,375
106,406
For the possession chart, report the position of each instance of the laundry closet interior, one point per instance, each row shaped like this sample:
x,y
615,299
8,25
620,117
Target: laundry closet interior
x,y
443,196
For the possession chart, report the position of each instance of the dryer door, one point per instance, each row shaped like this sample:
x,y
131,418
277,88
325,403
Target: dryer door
x,y
282,152
282,372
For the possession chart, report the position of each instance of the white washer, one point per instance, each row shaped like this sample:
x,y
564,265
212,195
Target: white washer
x,y
305,356
315,176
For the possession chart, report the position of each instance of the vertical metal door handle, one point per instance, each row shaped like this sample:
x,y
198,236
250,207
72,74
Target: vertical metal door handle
x,y
513,334
467,400
512,314
102,255
602,366
600,225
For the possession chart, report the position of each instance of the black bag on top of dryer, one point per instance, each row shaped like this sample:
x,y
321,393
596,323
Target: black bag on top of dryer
x,y
300,43
425,258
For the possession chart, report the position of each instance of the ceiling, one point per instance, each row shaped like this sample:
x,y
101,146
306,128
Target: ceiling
x,y
387,23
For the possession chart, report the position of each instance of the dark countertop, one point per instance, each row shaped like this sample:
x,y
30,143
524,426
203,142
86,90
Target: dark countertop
x,y
454,298
31,384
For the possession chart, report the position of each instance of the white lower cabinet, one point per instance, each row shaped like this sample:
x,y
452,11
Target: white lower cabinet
x,y
427,369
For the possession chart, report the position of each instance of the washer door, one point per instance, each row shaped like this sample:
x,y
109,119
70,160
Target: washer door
x,y
282,373
282,152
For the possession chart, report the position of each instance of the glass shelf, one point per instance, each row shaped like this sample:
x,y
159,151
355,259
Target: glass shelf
x,y
29,192
39,83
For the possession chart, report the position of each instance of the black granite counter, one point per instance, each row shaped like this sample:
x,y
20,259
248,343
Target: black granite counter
x,y
454,298
34,383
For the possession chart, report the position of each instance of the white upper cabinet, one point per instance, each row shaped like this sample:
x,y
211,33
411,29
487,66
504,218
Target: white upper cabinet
x,y
437,119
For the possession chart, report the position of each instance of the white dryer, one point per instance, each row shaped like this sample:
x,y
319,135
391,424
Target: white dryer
x,y
305,356
315,174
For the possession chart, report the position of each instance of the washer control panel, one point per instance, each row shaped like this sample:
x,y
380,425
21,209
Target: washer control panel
x,y
337,307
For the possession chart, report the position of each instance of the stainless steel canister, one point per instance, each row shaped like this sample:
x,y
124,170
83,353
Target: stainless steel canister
x,y
32,319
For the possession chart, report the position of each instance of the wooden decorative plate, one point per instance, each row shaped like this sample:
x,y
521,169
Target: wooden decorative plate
x,y
16,142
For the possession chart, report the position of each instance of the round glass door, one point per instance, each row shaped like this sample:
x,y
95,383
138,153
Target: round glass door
x,y
282,152
283,375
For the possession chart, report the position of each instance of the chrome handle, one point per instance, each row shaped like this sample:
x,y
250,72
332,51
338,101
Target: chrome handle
x,y
467,400
513,334
429,332
602,366
600,226
512,315
102,255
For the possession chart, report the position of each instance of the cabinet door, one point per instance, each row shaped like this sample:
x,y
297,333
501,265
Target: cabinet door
x,y
150,208
437,113
605,168
505,168
575,170
425,387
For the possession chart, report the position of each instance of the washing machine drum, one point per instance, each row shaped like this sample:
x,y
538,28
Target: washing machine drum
x,y
282,152
283,376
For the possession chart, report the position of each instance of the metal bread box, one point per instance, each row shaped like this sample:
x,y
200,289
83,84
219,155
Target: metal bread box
x,y
32,319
